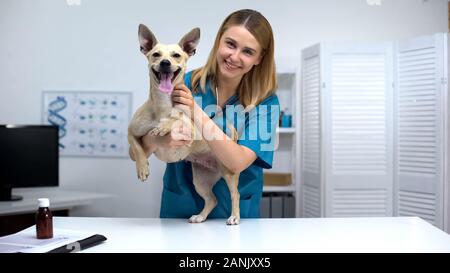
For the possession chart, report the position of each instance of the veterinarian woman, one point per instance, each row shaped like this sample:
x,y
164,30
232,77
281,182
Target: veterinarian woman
x,y
241,71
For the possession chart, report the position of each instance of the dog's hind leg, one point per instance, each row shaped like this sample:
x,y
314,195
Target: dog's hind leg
x,y
232,183
142,167
204,180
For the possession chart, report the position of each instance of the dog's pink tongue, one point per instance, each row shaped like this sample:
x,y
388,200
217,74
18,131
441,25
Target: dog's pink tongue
x,y
165,84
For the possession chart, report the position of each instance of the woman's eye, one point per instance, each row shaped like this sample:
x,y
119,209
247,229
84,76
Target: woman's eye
x,y
176,55
248,52
156,55
230,44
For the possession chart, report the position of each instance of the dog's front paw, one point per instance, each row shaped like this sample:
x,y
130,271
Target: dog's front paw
x,y
233,220
158,131
164,131
196,219
189,143
154,131
142,170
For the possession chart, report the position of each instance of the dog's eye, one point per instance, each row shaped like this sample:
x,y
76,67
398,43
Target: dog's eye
x,y
176,55
156,55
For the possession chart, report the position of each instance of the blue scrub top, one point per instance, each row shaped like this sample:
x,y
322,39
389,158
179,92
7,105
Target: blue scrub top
x,y
256,130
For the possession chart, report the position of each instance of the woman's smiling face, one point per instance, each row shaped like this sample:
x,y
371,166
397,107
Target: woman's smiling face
x,y
238,52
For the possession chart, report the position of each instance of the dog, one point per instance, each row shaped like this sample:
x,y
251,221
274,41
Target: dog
x,y
158,115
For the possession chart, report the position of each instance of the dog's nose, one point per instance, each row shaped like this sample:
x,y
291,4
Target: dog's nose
x,y
164,66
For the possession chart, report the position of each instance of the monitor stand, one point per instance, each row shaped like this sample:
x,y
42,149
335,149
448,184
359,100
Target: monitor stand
x,y
6,194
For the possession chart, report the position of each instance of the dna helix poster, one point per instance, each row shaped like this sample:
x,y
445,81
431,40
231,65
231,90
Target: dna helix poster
x,y
92,124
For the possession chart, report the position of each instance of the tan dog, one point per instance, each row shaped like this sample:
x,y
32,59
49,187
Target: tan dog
x,y
167,65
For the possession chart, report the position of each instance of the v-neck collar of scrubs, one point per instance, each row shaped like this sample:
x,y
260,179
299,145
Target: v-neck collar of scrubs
x,y
230,101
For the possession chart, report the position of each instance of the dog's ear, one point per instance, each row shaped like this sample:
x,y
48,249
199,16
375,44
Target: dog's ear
x,y
146,39
190,41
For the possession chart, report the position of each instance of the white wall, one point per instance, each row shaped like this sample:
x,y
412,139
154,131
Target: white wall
x,y
50,45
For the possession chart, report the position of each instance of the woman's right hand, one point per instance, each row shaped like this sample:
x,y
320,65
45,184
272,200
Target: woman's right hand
x,y
177,138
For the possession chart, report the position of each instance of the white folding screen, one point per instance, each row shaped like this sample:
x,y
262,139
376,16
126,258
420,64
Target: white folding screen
x,y
357,108
370,149
419,119
311,146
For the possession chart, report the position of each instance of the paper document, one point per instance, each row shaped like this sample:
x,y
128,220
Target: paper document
x,y
26,241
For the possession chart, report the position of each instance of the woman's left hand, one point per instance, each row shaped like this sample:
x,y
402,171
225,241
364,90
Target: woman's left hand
x,y
182,98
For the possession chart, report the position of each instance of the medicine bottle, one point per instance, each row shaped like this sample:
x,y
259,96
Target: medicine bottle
x,y
44,220
280,121
286,118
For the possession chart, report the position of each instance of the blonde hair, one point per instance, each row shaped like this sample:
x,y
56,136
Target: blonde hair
x,y
258,83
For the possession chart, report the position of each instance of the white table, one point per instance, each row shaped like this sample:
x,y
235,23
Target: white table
x,y
384,234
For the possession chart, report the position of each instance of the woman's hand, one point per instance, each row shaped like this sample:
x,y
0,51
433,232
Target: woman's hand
x,y
182,99
177,138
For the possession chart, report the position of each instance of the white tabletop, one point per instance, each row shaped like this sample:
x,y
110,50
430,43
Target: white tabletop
x,y
294,235
59,199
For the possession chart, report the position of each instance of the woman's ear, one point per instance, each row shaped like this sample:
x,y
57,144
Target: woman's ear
x,y
261,56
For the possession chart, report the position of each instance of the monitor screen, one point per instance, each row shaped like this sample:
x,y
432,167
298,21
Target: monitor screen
x,y
29,157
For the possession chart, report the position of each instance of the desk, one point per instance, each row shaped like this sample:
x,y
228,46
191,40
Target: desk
x,y
17,215
285,235
59,200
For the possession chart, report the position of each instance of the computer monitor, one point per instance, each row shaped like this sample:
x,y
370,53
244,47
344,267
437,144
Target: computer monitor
x,y
29,157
